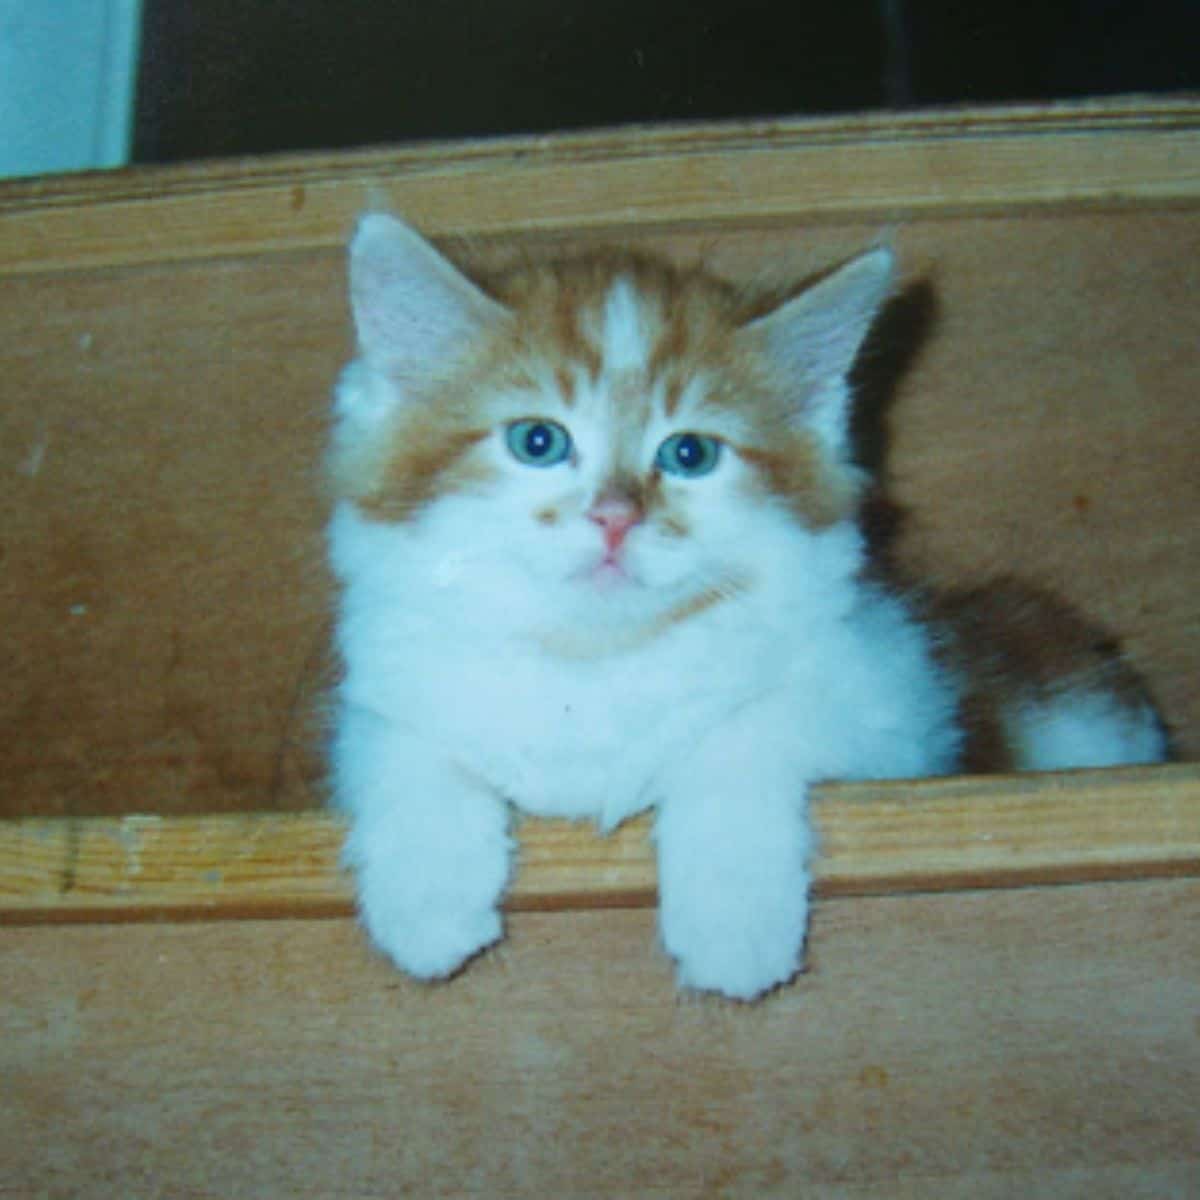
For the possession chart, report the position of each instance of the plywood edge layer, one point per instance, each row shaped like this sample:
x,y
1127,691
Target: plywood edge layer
x,y
875,838
876,167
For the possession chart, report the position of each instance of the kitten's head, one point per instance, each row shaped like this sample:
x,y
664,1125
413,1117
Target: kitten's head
x,y
630,437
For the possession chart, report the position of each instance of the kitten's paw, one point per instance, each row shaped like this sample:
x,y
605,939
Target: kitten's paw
x,y
431,874
742,972
430,944
738,954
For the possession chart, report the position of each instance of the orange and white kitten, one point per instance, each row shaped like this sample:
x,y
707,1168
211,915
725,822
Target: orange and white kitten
x,y
596,530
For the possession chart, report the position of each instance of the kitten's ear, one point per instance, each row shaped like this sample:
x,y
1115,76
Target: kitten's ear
x,y
414,312
814,339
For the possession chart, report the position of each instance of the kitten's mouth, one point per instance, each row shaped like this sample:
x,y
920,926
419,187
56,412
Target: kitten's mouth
x,y
608,574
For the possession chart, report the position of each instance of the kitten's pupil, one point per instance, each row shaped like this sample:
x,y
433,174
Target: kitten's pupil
x,y
538,441
689,452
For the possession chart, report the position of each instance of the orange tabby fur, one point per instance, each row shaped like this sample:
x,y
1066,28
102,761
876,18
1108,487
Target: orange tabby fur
x,y
696,329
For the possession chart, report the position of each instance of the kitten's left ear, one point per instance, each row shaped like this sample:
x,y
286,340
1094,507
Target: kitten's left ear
x,y
414,312
814,339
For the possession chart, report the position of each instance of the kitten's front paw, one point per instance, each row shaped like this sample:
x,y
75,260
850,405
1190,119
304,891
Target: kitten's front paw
x,y
737,949
432,943
431,854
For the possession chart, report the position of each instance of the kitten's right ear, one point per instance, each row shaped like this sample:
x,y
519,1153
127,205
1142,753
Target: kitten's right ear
x,y
413,311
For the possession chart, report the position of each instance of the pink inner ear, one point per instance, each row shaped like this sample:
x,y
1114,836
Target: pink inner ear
x,y
413,309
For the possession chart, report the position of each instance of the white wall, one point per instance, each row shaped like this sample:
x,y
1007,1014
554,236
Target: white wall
x,y
68,70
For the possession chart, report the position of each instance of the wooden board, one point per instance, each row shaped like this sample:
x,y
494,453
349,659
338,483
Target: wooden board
x,y
879,167
1040,1043
873,838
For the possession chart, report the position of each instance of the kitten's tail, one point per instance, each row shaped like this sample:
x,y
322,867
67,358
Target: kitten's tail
x,y
1042,688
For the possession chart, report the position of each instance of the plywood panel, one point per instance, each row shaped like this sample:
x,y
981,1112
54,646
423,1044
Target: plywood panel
x,y
168,340
163,603
162,585
1040,1043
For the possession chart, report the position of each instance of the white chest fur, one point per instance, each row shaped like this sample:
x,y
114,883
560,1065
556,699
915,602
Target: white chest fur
x,y
852,691
555,735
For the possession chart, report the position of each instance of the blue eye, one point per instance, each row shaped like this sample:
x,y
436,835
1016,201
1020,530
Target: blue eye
x,y
538,443
688,454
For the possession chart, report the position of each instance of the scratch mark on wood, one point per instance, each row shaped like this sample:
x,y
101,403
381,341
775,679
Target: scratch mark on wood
x,y
70,865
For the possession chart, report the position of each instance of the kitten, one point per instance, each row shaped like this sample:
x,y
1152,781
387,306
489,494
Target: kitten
x,y
596,530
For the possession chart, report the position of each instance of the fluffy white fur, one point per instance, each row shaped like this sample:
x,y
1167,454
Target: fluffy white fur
x,y
486,666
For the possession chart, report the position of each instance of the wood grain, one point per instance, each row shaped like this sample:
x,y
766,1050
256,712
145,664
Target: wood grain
x,y
1040,1043
874,838
874,167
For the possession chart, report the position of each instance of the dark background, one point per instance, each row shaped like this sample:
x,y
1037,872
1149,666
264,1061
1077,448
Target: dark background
x,y
231,77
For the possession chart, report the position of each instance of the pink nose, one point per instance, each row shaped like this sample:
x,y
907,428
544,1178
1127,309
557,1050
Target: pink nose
x,y
616,517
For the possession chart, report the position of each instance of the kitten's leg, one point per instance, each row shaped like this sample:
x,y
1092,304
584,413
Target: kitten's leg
x,y
430,846
733,845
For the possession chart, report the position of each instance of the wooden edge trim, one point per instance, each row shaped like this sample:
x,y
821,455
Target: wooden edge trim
x,y
885,168
875,838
